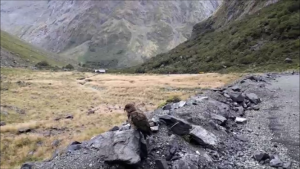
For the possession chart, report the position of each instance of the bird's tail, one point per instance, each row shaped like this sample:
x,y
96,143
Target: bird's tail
x,y
146,133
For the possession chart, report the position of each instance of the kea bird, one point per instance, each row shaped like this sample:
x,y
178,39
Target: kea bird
x,y
138,120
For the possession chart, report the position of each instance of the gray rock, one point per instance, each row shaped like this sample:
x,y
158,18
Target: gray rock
x,y
161,164
173,147
74,146
237,97
219,118
240,110
236,88
240,120
124,127
254,107
261,157
2,123
190,161
276,162
167,107
115,128
253,98
287,165
24,130
178,126
181,103
27,166
154,128
204,137
118,146
69,117
201,99
226,95
241,138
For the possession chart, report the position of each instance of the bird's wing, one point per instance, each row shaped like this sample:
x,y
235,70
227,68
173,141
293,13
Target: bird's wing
x,y
140,121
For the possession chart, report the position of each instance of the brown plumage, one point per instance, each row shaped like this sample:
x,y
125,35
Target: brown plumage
x,y
138,120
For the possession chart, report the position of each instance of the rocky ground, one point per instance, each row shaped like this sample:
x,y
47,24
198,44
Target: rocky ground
x,y
253,123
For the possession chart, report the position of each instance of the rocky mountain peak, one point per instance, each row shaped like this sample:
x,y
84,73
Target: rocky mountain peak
x,y
108,33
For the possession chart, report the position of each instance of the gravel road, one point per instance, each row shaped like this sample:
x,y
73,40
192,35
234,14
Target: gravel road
x,y
274,129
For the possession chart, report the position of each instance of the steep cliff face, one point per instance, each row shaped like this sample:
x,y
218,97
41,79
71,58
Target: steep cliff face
x,y
241,36
230,11
108,33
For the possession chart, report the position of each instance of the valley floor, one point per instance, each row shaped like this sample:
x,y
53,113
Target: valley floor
x,y
42,111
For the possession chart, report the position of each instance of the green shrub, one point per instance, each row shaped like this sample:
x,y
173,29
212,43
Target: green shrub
x,y
69,66
42,64
173,99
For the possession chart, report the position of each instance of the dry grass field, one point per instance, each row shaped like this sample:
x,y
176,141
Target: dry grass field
x,y
38,102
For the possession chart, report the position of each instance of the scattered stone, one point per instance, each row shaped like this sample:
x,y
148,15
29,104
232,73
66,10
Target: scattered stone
x,y
178,126
254,107
181,128
201,99
24,130
167,107
69,117
124,127
204,137
287,165
173,147
154,128
74,146
190,161
288,60
237,97
240,120
161,164
226,95
115,128
219,118
90,112
261,157
2,123
241,138
181,103
27,166
57,119
236,88
240,110
253,98
276,162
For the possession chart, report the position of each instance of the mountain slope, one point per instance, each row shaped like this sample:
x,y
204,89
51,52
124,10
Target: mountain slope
x,y
234,40
105,33
15,52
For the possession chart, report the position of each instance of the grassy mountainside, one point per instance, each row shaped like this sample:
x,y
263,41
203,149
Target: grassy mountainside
x,y
259,41
14,49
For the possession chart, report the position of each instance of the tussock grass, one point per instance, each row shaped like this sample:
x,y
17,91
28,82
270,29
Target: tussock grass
x,y
49,95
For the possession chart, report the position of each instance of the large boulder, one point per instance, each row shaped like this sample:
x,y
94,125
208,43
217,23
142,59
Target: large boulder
x,y
120,146
107,150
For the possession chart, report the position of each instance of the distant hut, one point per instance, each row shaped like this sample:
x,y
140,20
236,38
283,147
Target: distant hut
x,y
100,71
